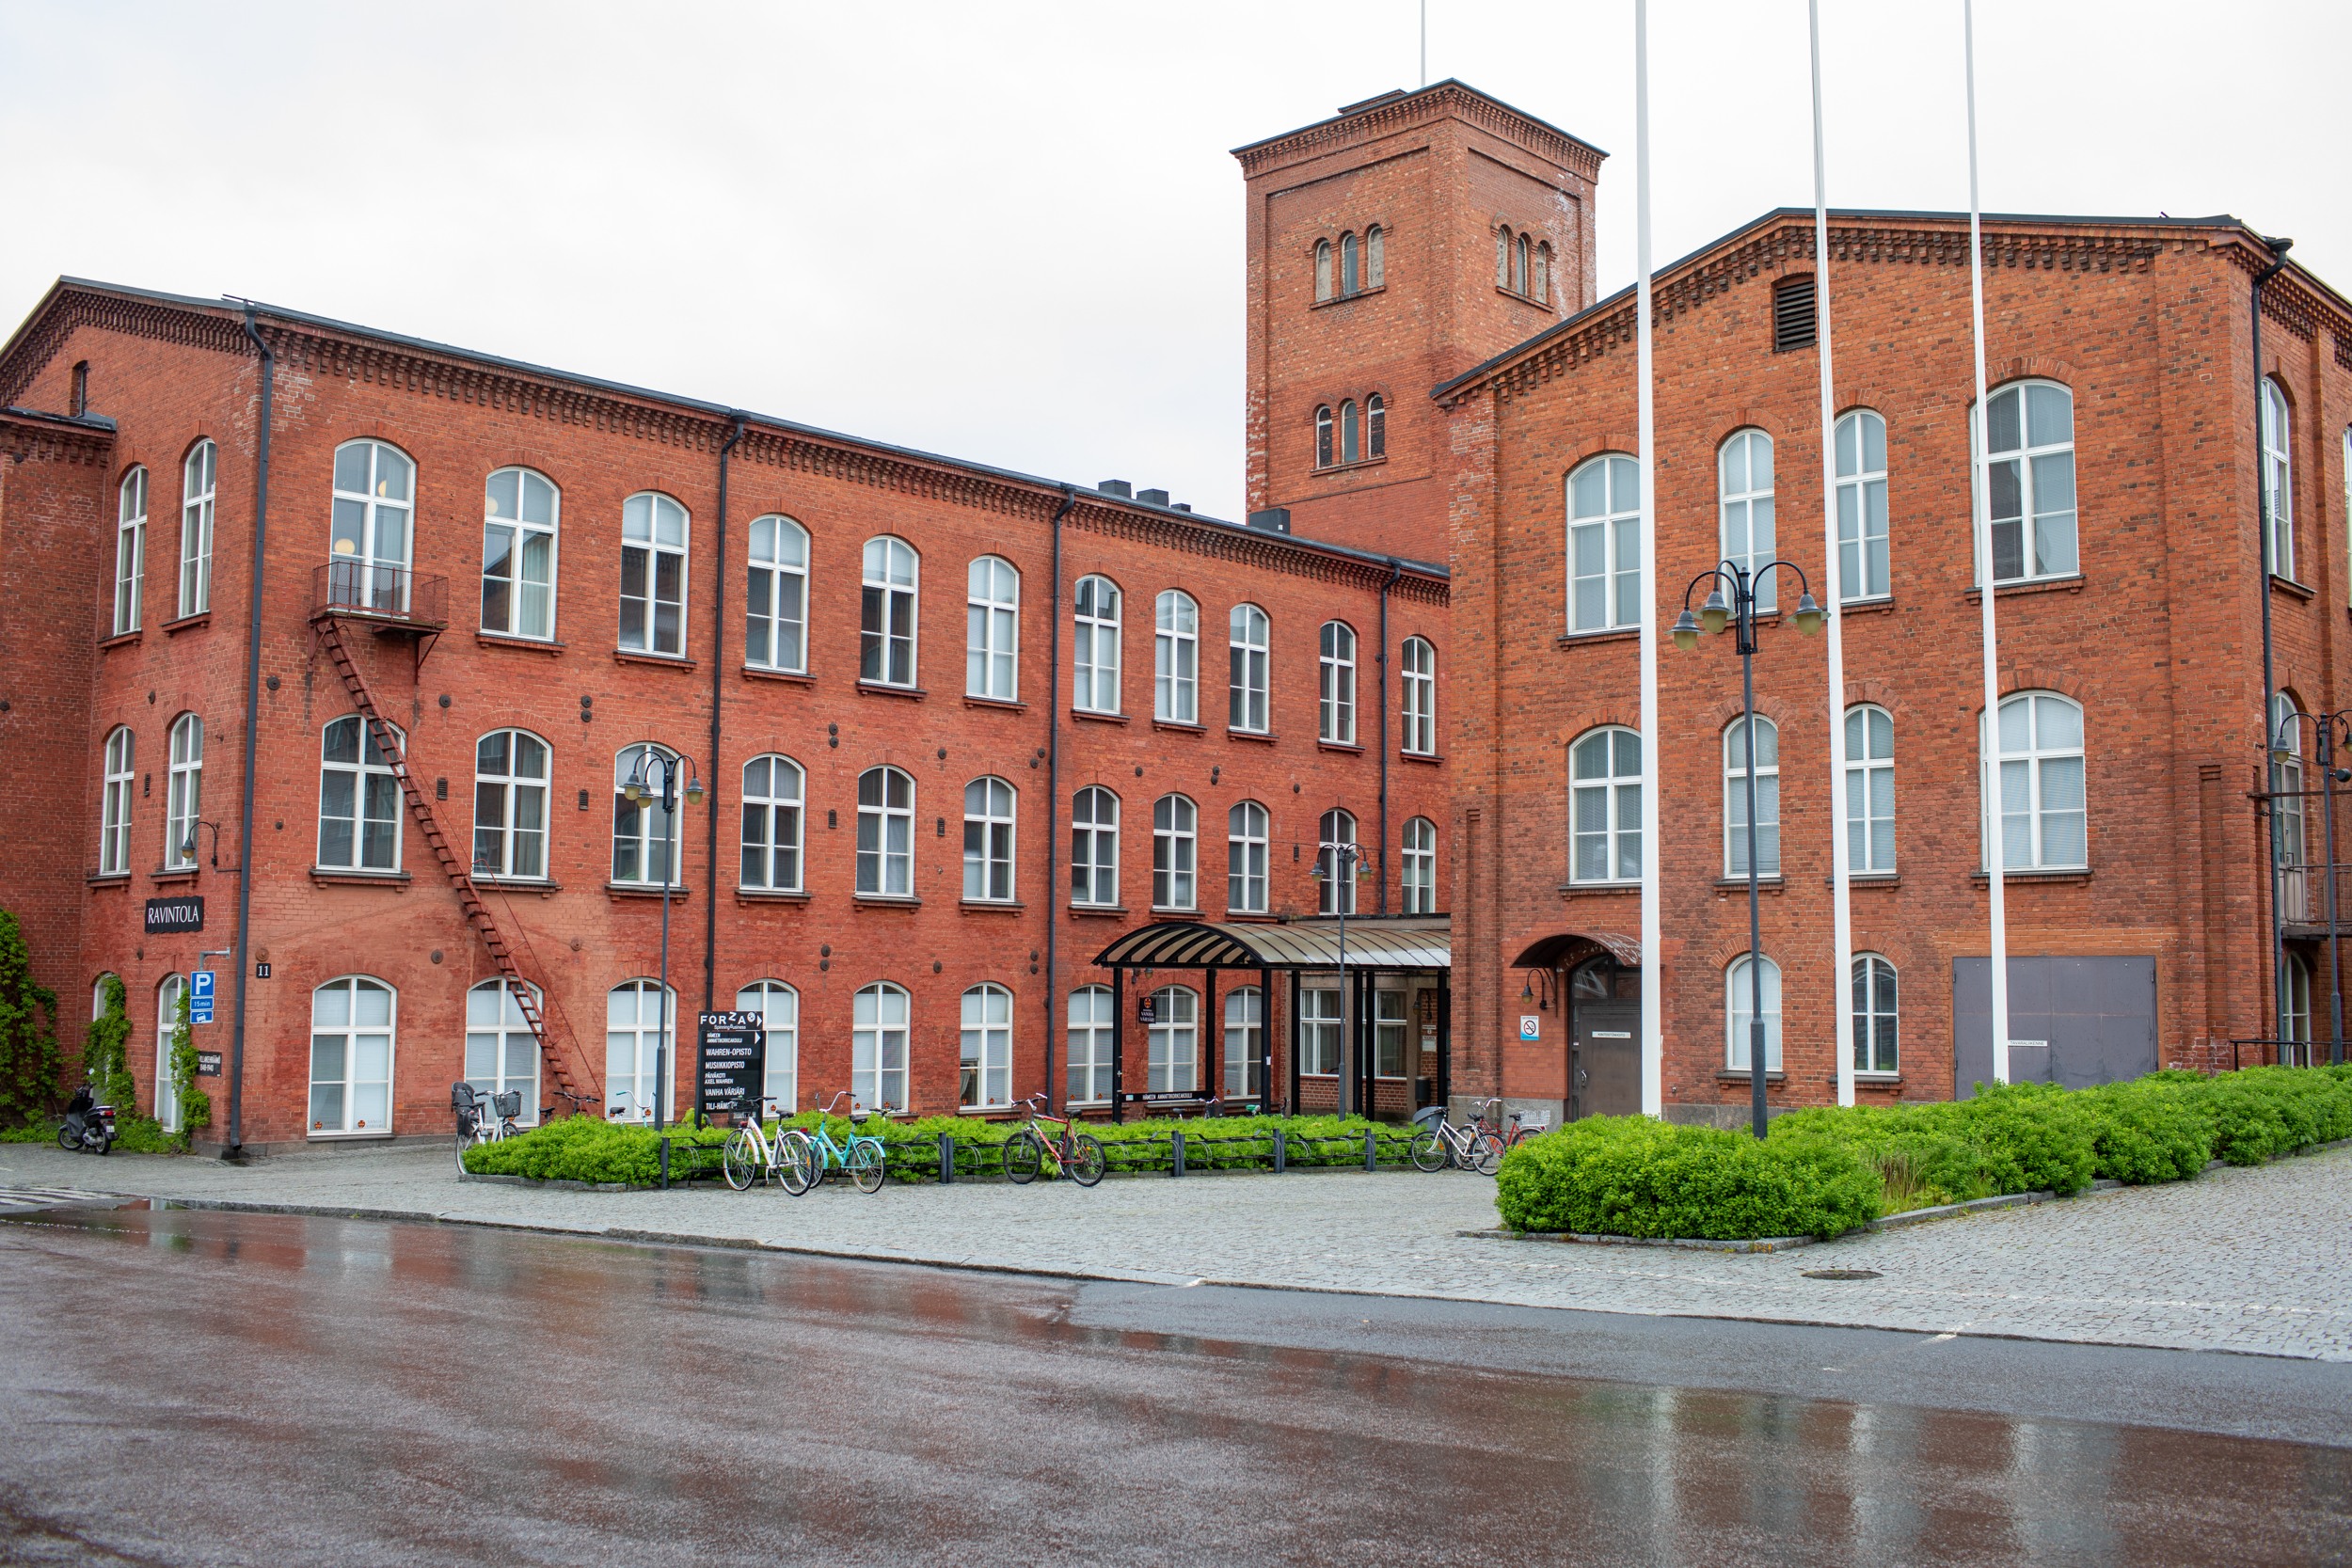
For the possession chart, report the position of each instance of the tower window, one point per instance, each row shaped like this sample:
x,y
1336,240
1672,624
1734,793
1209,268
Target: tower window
x,y
1323,437
1793,315
1351,266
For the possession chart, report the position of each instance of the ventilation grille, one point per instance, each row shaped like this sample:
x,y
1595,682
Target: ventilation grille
x,y
1792,315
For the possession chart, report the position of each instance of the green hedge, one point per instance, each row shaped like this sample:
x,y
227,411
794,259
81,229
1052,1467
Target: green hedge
x,y
1630,1176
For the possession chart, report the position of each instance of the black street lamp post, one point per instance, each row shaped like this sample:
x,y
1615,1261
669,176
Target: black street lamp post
x,y
639,789
1345,861
2331,730
1738,613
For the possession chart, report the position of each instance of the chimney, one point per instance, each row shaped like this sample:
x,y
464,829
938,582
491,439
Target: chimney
x,y
1274,519
1117,487
1153,498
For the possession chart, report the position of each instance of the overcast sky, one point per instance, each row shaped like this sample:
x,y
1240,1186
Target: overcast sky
x,y
1012,231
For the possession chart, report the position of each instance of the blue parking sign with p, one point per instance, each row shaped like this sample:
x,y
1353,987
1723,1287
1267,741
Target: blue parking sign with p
x,y
201,996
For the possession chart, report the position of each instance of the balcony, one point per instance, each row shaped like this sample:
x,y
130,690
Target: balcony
x,y
393,597
2303,898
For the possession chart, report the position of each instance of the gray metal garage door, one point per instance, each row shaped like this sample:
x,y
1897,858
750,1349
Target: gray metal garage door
x,y
2096,1016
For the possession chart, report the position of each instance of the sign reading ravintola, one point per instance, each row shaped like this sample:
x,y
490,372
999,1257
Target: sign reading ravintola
x,y
183,913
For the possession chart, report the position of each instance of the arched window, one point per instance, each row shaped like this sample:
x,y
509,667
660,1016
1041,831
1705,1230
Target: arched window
x,y
775,607
878,1048
1245,858
1376,427
988,837
779,1008
519,554
351,1022
1335,831
1245,1036
1503,257
1247,633
167,1087
2279,476
199,483
987,1054
1335,710
1375,257
2298,998
637,1017
375,500
1420,705
185,799
1323,437
1518,265
1175,823
1095,646
1539,281
1089,1046
1767,775
501,1053
773,793
358,799
2288,839
1605,543
1174,1067
1739,1012
1094,847
2040,789
2031,476
1323,270
114,823
1319,1030
1351,433
1875,1016
653,576
992,646
1869,791
885,834
510,804
1351,275
1421,866
129,549
886,614
1605,806
1745,472
1862,547
1176,658
642,830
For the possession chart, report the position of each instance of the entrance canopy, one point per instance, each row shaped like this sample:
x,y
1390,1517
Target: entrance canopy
x,y
1570,948
1411,944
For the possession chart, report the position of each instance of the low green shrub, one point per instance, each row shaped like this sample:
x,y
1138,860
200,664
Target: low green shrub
x,y
2153,1129
1630,1176
586,1148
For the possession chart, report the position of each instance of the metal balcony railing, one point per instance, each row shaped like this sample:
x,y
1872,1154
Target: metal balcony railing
x,y
381,593
2303,894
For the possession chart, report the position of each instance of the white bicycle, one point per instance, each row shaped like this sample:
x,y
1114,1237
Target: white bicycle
x,y
1442,1144
750,1154
482,1118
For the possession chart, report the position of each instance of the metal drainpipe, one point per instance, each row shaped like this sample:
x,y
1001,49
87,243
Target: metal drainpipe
x,y
2262,514
1396,570
252,744
718,687
1052,790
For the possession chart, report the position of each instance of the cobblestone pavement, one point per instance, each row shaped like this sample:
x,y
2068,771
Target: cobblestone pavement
x,y
2254,1261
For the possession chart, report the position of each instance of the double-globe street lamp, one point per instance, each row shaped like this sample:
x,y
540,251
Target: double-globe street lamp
x,y
638,788
1738,613
2331,730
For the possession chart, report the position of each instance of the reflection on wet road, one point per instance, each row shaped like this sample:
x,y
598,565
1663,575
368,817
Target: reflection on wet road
x,y
193,1387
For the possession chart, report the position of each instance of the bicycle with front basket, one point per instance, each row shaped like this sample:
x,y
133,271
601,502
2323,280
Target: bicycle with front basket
x,y
750,1154
805,1155
1443,1144
485,1119
1078,1154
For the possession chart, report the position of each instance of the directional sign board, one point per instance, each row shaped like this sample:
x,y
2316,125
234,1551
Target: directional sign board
x,y
731,1055
201,996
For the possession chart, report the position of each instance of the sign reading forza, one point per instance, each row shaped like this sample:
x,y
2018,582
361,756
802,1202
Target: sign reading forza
x,y
175,914
731,1056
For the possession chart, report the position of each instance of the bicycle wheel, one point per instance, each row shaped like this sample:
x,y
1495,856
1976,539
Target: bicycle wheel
x,y
739,1160
465,1142
866,1165
796,1162
1023,1155
1486,1153
1428,1150
1086,1161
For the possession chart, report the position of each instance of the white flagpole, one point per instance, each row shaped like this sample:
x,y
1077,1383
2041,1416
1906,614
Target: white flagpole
x,y
1988,743
1841,855
1653,1037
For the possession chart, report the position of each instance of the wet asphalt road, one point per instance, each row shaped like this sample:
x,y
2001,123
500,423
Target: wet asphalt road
x,y
185,1387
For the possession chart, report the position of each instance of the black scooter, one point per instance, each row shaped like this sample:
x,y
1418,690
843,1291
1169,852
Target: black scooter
x,y
87,1124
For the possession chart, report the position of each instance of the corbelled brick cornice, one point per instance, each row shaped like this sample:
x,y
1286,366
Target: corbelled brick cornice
x,y
1446,100
29,437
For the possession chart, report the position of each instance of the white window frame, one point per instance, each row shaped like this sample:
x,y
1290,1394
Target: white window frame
x,y
1351,266
504,1036
371,534
775,595
1351,431
1175,853
1176,658
1321,1050
991,811
1419,867
118,791
1376,427
1249,635
1748,521
643,827
199,482
1241,1042
1094,849
1335,701
129,549
1603,554
1418,663
508,793
2290,839
372,783
2298,998
1392,1032
350,1036
1375,257
1864,561
531,569
1868,763
2037,465
1336,892
1323,271
1247,827
1088,1047
656,531
1767,796
631,1045
166,1104
889,619
183,795
1324,450
879,1032
1615,795
1877,1006
2039,764
1094,650
985,1059
991,651
1738,1001
886,835
779,1009
1172,1041
2278,476
775,798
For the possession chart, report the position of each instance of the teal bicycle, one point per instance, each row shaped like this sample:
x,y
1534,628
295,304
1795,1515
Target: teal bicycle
x,y
805,1155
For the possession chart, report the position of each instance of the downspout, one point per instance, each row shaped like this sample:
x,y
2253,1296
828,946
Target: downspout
x,y
1396,570
2261,515
252,743
1052,899
718,688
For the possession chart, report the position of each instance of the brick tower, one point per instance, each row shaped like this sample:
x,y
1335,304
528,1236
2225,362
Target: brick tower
x,y
1400,243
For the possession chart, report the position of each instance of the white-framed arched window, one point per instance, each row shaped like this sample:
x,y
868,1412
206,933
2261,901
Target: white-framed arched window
x,y
1351,266
992,649
1176,658
1375,426
1089,1046
1243,1040
653,575
352,1025
642,830
1333,830
2297,998
1420,705
1870,766
371,534
1246,858
1421,866
1247,631
501,1053
114,818
129,549
359,797
199,480
510,804
1864,570
519,508
1175,829
1605,806
779,1007
878,1048
1743,470
1335,708
1323,270
1094,847
774,792
1351,433
1767,797
2040,788
637,1014
1605,543
986,1081
1323,437
1094,648
775,603
2277,427
2288,840
1739,1012
885,834
987,841
1174,1042
168,1090
1375,257
184,800
1876,1015
886,621
2030,479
